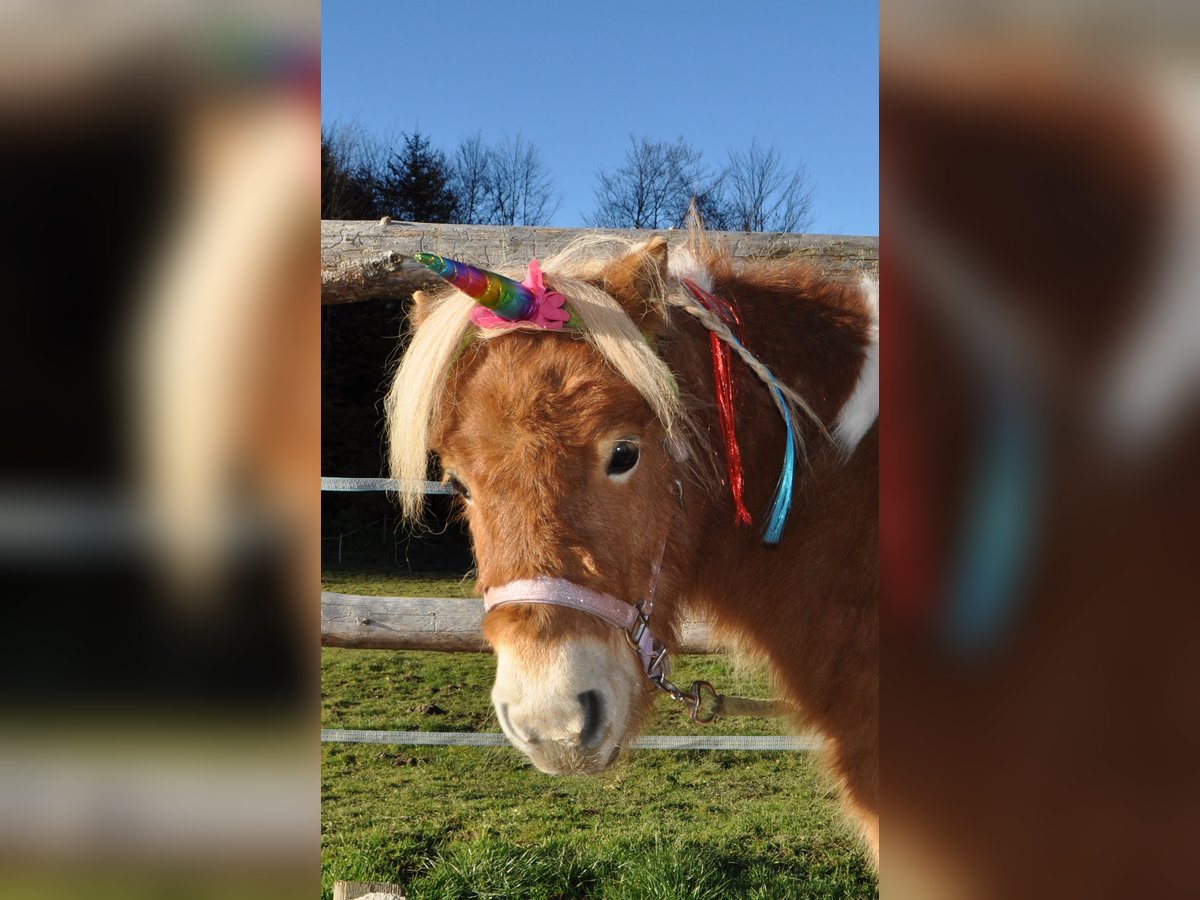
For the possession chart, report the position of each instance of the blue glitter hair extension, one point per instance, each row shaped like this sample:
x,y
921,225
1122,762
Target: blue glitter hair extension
x,y
782,503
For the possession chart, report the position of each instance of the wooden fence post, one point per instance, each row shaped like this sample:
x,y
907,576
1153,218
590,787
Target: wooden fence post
x,y
366,890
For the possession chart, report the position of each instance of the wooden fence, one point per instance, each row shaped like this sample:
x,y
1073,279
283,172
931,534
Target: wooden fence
x,y
431,623
373,260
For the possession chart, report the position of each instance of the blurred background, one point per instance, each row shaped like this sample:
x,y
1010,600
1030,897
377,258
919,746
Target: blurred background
x,y
1040,210
160,453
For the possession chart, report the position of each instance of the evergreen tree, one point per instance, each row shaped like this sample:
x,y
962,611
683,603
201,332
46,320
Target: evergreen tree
x,y
417,186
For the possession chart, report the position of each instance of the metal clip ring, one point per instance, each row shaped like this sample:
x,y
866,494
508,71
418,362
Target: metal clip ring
x,y
697,693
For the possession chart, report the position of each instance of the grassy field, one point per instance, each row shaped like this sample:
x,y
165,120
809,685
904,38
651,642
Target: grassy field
x,y
450,822
389,584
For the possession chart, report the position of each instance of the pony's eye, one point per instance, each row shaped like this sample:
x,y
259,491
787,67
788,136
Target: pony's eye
x,y
455,483
624,457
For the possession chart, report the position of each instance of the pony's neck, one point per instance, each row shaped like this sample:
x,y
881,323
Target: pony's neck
x,y
814,334
811,600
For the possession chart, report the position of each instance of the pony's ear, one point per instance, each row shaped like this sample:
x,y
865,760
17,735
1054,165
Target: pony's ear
x,y
420,307
636,279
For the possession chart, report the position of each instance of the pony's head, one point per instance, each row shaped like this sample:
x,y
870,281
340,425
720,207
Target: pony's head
x,y
566,446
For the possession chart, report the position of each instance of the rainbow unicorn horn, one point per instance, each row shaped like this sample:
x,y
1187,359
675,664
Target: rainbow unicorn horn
x,y
508,299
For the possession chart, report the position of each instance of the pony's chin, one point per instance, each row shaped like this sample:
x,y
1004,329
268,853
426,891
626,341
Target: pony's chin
x,y
570,761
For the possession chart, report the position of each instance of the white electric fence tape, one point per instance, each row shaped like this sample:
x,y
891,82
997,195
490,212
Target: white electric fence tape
x,y
379,484
646,742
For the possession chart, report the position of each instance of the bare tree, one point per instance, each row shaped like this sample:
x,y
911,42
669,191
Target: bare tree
x,y
352,172
654,186
711,207
471,172
762,194
519,188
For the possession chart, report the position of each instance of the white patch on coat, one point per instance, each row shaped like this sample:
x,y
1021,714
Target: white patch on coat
x,y
1155,376
861,409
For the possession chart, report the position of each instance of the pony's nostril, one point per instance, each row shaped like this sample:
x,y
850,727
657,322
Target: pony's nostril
x,y
502,710
593,716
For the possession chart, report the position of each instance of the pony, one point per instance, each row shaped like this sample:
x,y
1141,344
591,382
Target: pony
x,y
614,427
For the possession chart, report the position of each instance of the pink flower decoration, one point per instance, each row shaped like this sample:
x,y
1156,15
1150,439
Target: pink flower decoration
x,y
549,313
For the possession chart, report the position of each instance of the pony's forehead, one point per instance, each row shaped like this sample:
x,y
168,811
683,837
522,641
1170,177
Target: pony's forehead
x,y
551,383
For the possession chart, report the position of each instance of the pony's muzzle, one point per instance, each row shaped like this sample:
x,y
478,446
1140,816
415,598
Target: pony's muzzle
x,y
569,717
588,731
565,738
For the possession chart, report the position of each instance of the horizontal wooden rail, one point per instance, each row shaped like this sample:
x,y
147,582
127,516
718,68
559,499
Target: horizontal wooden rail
x,y
373,260
431,623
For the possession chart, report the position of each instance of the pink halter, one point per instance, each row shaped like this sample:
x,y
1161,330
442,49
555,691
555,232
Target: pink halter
x,y
633,619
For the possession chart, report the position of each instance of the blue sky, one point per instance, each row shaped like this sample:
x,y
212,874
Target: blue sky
x,y
578,79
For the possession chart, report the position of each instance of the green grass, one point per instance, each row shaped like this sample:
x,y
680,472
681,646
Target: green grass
x,y
388,584
450,822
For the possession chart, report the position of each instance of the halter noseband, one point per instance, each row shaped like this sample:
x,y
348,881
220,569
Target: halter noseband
x,y
632,618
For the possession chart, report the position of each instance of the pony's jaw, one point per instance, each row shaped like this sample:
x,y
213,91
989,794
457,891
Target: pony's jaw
x,y
569,708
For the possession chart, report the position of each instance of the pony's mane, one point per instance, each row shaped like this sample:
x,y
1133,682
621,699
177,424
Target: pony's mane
x,y
414,400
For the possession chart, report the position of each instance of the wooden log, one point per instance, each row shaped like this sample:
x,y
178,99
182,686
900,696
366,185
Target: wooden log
x,y
401,623
373,260
366,890
431,623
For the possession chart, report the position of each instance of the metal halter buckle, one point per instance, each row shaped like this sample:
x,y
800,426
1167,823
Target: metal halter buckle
x,y
660,665
639,626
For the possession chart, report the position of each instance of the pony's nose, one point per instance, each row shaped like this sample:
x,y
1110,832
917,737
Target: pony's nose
x,y
593,717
